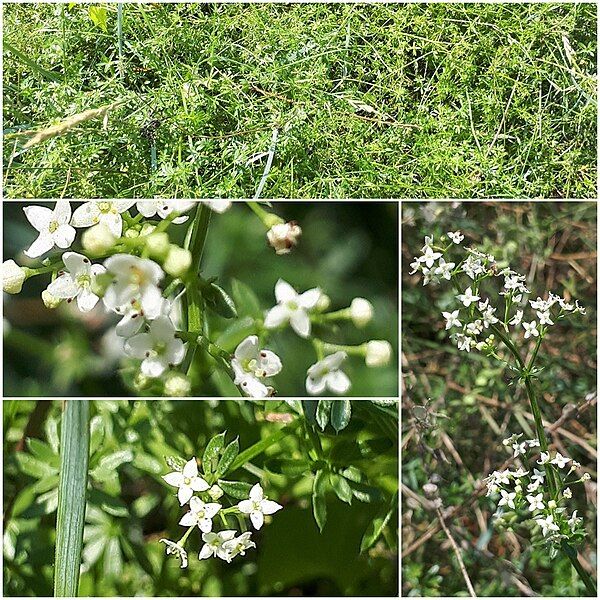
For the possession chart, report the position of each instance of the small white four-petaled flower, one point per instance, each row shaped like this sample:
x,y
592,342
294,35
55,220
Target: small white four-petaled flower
x,y
250,364
188,481
468,297
200,514
257,506
53,227
326,374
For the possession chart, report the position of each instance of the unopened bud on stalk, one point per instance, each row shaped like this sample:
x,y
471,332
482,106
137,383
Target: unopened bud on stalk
x,y
361,311
13,277
215,492
178,261
323,303
284,236
158,245
98,239
378,353
177,385
49,300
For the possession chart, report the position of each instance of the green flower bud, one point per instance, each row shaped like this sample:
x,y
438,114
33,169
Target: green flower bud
x,y
158,245
49,300
178,261
98,239
177,385
361,312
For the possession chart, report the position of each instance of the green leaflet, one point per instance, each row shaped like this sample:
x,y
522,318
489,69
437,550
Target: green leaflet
x,y
72,488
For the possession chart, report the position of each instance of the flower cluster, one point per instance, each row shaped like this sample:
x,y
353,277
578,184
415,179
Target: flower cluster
x,y
477,313
200,496
126,263
525,496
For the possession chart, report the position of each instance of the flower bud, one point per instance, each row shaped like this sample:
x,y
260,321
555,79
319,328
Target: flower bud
x,y
284,236
178,261
215,492
177,385
551,504
158,245
49,300
98,239
323,303
361,312
378,353
13,277
567,493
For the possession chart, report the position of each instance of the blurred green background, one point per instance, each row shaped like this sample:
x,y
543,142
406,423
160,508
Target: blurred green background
x,y
130,508
458,407
348,249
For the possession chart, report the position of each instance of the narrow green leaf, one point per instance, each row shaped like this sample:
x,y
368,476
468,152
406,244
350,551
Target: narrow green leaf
x,y
258,448
229,455
109,464
211,453
219,301
96,433
72,488
51,428
288,466
42,451
376,526
341,488
340,414
245,299
235,333
318,499
34,467
235,489
31,63
323,411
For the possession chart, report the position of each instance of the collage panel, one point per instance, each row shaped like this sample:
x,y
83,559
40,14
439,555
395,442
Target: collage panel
x,y
116,298
185,498
499,394
386,100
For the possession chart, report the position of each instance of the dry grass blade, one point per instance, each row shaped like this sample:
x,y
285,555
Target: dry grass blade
x,y
73,121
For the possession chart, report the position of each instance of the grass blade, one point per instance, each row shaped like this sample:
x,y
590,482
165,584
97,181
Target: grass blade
x,y
31,63
72,488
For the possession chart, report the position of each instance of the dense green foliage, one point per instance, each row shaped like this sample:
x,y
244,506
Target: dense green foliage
x,y
347,249
343,482
458,407
398,100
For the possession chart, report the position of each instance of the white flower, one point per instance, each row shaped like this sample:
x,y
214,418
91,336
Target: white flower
x,y
250,364
284,236
219,206
536,502
547,524
53,227
520,472
158,348
13,277
519,449
292,307
429,256
530,329
475,327
257,506
468,297
535,443
326,374
579,309
187,481
214,545
544,458
502,477
451,319
163,208
544,317
518,317
444,269
473,267
509,441
573,521
487,314
77,281
378,353
133,317
560,461
508,498
415,266
200,514
239,545
538,476
134,279
107,212
532,487
464,342
456,236
177,550
361,312
567,493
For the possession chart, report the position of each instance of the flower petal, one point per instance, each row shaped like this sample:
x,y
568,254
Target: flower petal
x,y
199,485
63,287
76,263
184,494
277,316
338,382
206,552
62,211
63,237
256,493
246,506
269,362
154,366
86,300
188,519
315,386
284,292
138,345
309,299
39,217
300,322
175,478
269,507
42,244
114,222
205,525
257,519
247,348
191,468
86,215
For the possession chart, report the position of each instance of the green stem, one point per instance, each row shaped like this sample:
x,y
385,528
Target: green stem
x,y
587,580
268,219
258,448
72,490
